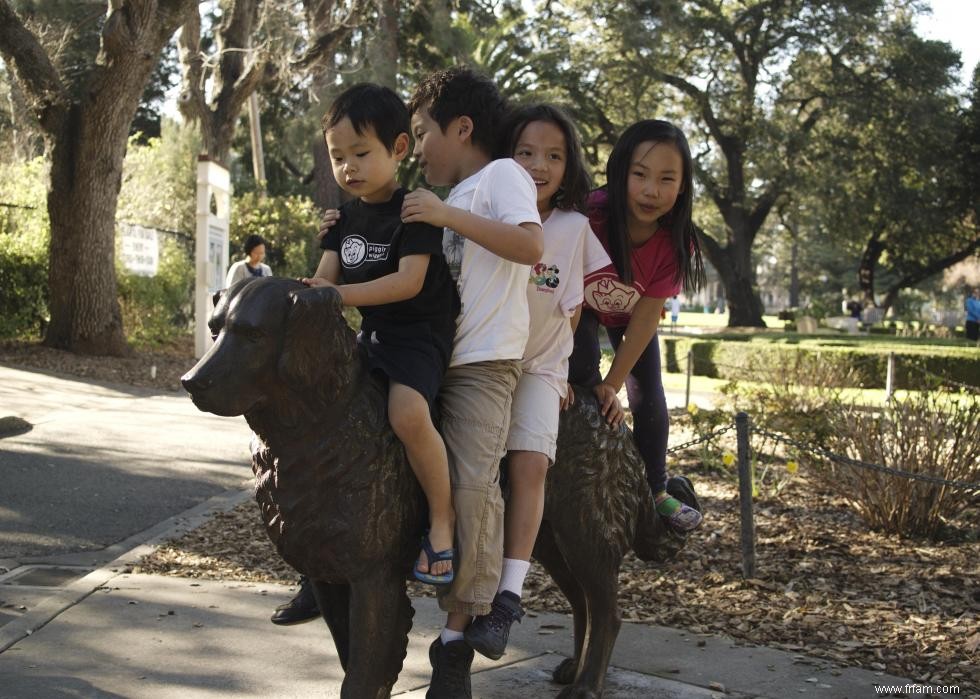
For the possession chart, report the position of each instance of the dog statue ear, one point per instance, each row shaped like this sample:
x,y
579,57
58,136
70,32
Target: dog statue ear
x,y
318,347
216,296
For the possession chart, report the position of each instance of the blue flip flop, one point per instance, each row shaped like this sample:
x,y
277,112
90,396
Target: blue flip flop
x,y
434,557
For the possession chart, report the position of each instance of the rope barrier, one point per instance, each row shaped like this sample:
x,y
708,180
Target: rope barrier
x,y
826,453
703,438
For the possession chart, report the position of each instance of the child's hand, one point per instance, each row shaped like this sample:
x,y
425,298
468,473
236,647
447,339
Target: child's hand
x,y
569,400
329,218
609,404
316,282
422,206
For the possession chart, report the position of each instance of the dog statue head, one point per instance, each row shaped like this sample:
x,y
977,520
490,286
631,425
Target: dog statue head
x,y
277,343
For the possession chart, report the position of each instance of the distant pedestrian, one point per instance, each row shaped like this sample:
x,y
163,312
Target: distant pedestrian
x,y
252,265
973,315
675,312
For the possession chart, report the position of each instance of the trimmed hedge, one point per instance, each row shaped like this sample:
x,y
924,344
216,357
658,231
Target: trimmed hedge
x,y
751,358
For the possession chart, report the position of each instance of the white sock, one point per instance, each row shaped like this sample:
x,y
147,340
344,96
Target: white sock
x,y
448,635
512,576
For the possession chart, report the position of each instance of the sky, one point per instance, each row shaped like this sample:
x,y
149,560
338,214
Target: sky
x,y
956,21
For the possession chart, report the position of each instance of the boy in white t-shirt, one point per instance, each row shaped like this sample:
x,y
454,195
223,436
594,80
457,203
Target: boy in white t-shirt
x,y
543,141
492,236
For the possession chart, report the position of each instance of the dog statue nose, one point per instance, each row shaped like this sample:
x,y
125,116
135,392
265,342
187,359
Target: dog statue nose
x,y
194,383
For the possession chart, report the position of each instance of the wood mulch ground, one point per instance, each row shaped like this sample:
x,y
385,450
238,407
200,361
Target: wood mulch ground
x,y
825,585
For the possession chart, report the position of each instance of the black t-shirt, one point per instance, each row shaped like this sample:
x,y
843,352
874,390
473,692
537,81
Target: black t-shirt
x,y
371,240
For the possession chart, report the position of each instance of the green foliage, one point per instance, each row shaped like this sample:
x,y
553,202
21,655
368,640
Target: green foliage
x,y
158,309
289,226
159,187
857,362
24,241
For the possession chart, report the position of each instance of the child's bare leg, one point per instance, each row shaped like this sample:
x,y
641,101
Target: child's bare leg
x,y
526,471
409,415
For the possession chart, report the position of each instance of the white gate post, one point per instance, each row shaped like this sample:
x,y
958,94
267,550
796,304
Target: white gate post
x,y
211,245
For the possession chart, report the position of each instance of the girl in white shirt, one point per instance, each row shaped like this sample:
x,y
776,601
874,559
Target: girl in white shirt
x,y
544,142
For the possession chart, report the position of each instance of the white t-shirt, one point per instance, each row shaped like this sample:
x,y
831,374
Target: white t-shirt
x,y
555,290
239,271
675,306
493,320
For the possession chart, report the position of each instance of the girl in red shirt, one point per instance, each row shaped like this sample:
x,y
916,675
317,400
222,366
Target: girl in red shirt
x,y
643,220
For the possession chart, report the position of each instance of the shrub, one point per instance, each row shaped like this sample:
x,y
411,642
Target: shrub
x,y
801,395
159,186
933,434
288,224
24,242
158,309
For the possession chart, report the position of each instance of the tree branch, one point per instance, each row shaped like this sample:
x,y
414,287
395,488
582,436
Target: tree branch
x,y
923,272
46,95
192,102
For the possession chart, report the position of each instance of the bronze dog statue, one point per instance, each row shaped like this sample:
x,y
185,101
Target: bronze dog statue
x,y
341,504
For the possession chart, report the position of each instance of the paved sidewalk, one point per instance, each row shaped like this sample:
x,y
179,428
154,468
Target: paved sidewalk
x,y
155,636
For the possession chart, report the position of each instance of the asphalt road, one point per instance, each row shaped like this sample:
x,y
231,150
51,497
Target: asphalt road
x,y
102,462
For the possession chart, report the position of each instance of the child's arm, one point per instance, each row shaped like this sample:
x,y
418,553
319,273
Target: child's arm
x,y
639,331
569,399
327,272
404,284
522,243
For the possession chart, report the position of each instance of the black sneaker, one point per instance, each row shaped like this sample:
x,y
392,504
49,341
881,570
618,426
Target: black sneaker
x,y
450,670
299,609
488,634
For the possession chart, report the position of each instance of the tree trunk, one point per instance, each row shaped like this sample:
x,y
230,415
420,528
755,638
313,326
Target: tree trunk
x,y
794,273
86,174
866,270
326,193
734,266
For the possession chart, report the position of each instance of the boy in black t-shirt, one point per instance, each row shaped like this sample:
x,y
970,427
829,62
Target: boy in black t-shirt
x,y
397,277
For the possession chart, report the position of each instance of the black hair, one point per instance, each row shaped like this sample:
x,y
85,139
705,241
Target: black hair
x,y
575,185
687,247
253,241
370,105
459,91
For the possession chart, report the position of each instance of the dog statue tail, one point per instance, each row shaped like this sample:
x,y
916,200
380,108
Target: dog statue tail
x,y
655,541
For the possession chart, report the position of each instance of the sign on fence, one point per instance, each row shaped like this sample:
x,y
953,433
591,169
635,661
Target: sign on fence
x,y
139,249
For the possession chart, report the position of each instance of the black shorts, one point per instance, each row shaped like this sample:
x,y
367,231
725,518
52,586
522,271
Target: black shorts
x,y
415,355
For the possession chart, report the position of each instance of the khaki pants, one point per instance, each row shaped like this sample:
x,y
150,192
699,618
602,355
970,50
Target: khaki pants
x,y
475,402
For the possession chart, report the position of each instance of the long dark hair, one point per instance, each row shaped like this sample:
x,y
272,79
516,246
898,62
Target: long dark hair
x,y
687,247
576,183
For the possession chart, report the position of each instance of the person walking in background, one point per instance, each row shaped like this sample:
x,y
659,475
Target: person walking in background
x,y
252,265
675,312
973,315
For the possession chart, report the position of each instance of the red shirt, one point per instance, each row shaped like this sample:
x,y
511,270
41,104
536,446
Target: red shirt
x,y
654,272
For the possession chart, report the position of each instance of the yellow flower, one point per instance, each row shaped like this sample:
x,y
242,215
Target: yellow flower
x,y
728,458
792,467
692,409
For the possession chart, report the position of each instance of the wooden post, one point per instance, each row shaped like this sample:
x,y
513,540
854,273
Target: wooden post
x,y
690,368
890,378
745,495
